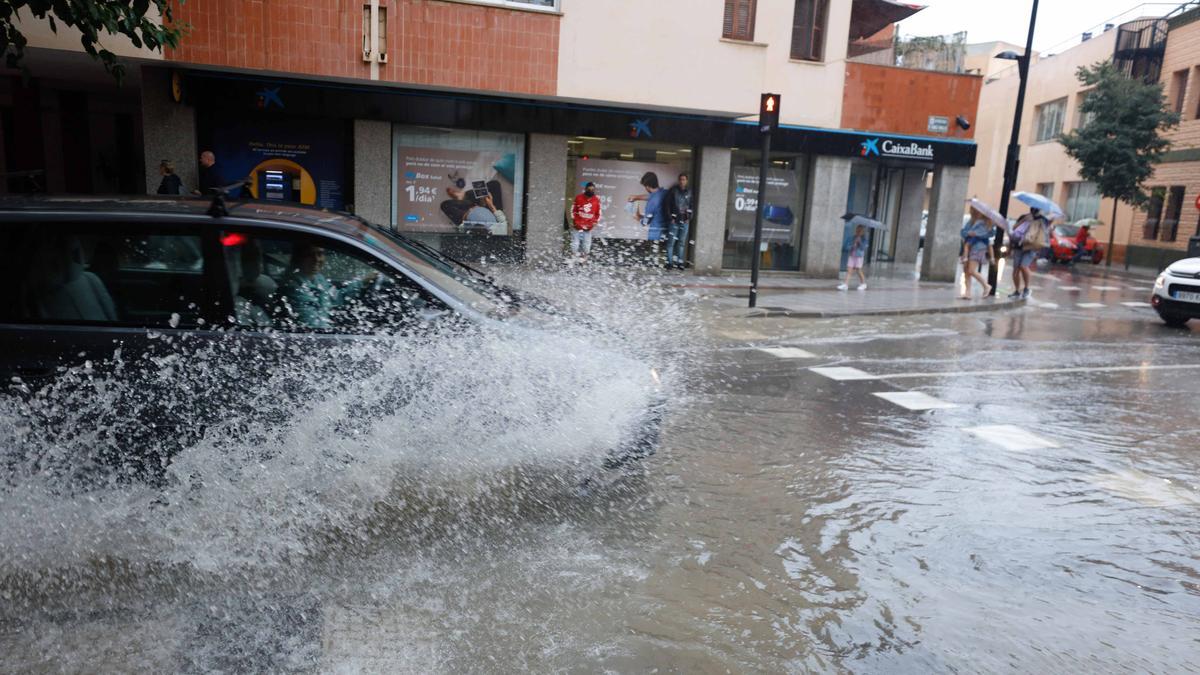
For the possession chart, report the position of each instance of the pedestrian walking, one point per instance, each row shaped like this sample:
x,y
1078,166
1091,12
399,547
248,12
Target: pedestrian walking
x,y
585,213
1029,237
975,250
170,183
858,252
210,176
679,217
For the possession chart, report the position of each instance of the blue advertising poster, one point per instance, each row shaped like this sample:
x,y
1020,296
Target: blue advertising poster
x,y
284,159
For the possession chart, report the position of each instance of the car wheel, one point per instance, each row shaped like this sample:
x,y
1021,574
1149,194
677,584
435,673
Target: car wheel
x,y
1173,320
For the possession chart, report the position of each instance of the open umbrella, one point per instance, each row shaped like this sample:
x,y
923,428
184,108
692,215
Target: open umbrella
x,y
988,212
853,219
1089,222
1040,202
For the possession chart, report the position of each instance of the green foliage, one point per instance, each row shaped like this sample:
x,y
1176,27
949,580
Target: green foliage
x,y
92,18
1120,145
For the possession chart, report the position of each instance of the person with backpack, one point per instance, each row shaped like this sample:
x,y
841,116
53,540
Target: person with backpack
x,y
585,213
975,250
1029,237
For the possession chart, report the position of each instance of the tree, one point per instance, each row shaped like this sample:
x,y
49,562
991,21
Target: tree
x,y
131,18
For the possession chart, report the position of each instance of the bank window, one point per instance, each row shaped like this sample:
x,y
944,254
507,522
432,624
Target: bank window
x,y
808,30
738,23
783,208
1179,80
74,274
1154,210
1170,221
1050,120
309,284
1083,200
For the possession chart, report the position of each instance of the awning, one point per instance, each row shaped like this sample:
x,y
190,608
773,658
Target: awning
x,y
868,17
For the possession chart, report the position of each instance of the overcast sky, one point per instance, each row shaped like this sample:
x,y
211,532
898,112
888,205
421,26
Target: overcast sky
x,y
1059,22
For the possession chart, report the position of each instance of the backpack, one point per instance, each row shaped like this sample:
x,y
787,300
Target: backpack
x,y
1034,238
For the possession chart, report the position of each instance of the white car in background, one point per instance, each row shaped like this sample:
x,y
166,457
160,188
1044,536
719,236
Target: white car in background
x,y
1176,295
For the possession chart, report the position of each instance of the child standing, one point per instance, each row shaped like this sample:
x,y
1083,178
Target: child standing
x,y
858,251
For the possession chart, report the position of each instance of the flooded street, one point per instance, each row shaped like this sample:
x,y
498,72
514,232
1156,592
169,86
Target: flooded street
x,y
791,521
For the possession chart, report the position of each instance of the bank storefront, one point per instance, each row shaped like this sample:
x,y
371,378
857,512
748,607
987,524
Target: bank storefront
x,y
490,177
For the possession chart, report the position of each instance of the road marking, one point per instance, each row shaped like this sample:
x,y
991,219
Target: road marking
x,y
1069,288
1136,304
1090,305
1107,288
914,400
1030,371
788,352
1010,437
843,373
1047,305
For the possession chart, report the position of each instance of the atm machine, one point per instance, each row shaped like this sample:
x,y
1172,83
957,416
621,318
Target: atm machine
x,y
277,185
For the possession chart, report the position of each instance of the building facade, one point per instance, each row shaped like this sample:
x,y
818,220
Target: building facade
x,y
1160,49
405,110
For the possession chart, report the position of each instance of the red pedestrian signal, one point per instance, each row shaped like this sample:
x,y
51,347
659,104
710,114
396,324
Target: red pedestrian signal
x,y
768,113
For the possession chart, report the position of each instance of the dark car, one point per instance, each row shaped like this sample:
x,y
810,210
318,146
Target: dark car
x,y
94,285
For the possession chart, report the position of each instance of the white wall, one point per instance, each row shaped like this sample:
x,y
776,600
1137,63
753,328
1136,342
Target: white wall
x,y
670,53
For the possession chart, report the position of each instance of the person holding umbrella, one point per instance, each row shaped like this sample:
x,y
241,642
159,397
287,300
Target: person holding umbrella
x,y
858,248
976,235
1029,237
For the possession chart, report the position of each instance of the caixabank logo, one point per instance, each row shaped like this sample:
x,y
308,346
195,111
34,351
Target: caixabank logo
x,y
886,147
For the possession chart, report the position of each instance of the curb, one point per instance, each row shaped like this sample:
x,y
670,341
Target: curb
x,y
783,312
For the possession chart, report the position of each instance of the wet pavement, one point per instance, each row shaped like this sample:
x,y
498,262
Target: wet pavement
x,y
1001,491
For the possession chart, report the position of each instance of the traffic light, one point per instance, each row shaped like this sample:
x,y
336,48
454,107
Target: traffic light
x,y
768,113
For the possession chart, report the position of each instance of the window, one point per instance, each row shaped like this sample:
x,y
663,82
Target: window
x,y
738,23
383,34
1153,213
1082,119
1083,201
1050,120
808,30
134,276
300,283
1170,221
1046,190
366,32
541,5
1179,81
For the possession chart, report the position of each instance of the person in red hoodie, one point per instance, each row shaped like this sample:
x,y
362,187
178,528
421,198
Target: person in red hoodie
x,y
585,213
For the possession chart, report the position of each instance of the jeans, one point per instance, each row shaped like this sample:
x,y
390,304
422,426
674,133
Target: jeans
x,y
581,241
677,234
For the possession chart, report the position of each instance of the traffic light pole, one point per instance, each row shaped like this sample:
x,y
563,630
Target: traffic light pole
x,y
1012,160
756,256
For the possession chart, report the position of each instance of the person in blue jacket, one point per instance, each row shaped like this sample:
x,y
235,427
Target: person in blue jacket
x,y
653,216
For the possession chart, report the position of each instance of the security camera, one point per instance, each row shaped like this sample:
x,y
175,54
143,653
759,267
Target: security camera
x,y
962,123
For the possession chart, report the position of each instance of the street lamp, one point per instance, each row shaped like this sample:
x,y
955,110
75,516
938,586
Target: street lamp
x,y
1012,159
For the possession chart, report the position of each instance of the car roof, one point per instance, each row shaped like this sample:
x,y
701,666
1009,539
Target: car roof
x,y
188,207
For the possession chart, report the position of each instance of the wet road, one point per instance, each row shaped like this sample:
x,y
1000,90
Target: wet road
x,y
990,492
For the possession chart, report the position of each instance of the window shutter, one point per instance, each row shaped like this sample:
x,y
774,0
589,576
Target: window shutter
x,y
808,30
738,22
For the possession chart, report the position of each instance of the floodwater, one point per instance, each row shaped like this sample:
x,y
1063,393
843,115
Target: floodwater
x,y
788,523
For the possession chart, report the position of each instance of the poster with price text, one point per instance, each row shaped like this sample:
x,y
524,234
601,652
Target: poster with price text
x,y
448,191
779,215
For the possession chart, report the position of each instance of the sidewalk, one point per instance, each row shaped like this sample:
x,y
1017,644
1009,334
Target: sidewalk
x,y
817,298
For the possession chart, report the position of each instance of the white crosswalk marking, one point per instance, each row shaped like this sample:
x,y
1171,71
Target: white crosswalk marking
x,y
1069,288
788,352
1047,305
842,373
1010,437
1136,304
1107,288
1090,305
914,400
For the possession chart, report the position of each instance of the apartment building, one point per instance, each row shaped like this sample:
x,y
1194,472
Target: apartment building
x,y
394,108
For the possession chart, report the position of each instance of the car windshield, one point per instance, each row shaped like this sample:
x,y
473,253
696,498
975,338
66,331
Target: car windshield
x,y
464,282
1066,230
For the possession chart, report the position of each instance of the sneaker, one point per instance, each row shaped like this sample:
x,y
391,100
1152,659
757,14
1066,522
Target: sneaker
x,y
862,287
1014,295
1026,294
842,287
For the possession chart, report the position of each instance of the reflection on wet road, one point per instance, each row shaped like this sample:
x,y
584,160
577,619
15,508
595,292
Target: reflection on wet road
x,y
1003,491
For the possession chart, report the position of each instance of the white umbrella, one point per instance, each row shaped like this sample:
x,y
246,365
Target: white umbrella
x,y
988,212
853,219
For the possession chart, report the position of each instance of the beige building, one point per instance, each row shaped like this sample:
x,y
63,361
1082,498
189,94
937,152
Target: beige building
x,y
1147,47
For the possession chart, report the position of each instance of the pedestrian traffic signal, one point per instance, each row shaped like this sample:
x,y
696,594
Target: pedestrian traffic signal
x,y
768,113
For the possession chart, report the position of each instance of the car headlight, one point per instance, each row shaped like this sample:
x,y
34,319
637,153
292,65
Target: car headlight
x,y
1160,281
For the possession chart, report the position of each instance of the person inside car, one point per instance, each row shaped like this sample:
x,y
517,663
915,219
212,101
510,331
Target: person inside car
x,y
309,295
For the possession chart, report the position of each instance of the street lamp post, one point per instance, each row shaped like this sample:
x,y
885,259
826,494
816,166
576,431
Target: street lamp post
x,y
1013,159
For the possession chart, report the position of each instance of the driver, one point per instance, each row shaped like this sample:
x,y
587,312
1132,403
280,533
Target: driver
x,y
309,294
